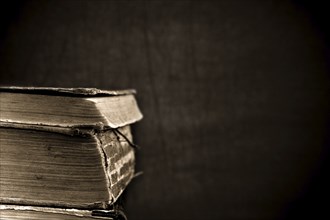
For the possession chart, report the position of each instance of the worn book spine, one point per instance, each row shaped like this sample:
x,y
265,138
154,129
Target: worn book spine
x,y
119,158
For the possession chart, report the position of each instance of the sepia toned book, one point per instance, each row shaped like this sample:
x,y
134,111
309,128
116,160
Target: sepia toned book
x,y
65,147
16,212
68,107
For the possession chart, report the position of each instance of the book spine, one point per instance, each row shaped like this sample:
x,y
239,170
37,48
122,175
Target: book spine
x,y
119,159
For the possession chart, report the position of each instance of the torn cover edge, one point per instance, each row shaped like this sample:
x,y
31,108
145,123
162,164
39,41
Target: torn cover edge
x,y
77,130
63,211
80,130
60,205
68,211
66,91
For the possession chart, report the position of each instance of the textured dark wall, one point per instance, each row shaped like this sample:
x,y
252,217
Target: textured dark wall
x,y
234,95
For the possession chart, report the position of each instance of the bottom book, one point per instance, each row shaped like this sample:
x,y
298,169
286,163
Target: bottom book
x,y
15,212
56,169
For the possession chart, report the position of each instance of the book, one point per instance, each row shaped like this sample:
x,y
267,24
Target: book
x,y
68,107
89,170
66,148
16,212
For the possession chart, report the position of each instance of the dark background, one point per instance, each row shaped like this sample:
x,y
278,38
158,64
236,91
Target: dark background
x,y
234,96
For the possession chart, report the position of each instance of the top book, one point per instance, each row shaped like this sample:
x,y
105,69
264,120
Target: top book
x,y
68,107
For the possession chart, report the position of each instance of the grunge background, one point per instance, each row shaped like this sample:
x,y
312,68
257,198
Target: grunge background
x,y
235,96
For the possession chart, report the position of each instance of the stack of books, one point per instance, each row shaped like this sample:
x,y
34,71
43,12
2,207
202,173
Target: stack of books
x,y
65,153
